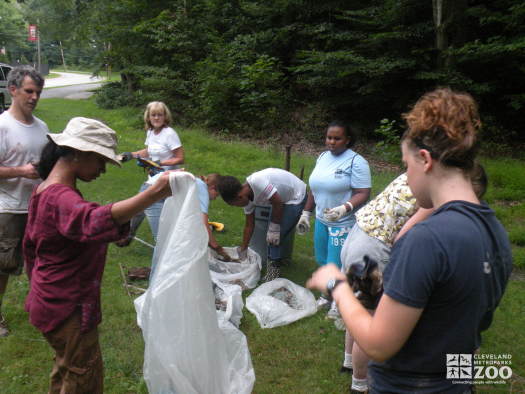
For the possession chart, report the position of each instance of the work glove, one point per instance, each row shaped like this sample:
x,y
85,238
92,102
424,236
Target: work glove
x,y
303,225
273,236
242,253
366,281
334,214
126,156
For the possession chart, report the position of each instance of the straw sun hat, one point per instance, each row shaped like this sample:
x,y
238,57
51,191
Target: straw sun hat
x,y
88,135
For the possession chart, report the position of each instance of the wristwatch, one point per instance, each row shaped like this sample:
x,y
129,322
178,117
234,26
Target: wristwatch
x,y
331,285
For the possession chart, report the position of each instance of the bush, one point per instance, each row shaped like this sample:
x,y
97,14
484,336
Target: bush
x,y
113,95
240,90
388,146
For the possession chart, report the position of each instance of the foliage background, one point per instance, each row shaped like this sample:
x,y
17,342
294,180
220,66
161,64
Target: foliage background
x,y
266,67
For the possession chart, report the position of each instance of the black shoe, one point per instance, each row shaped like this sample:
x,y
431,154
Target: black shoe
x,y
346,370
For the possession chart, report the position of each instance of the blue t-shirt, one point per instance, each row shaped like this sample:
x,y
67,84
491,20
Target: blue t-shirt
x,y
332,181
455,266
204,196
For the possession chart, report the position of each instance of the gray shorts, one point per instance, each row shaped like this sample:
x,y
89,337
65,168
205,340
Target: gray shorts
x,y
12,227
358,244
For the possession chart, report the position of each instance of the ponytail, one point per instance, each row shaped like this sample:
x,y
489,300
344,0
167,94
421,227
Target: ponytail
x,y
49,157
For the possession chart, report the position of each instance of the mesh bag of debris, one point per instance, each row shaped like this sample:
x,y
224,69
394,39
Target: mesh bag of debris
x,y
244,273
280,302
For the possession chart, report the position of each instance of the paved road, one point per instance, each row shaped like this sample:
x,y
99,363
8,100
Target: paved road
x,y
71,85
74,92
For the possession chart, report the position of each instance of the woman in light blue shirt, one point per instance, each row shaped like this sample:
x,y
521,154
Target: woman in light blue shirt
x,y
339,184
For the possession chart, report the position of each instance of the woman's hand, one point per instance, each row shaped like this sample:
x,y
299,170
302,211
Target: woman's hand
x,y
321,277
336,213
160,185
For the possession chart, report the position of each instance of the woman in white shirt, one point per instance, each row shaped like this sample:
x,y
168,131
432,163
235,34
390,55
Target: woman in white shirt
x,y
163,146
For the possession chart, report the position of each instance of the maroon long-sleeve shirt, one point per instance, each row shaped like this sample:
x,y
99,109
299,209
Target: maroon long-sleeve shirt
x,y
65,248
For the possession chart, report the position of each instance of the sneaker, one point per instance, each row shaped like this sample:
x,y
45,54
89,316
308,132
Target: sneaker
x,y
339,324
348,370
4,331
322,303
272,271
333,313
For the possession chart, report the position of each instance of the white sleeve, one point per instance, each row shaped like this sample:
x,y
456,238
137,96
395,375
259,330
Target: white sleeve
x,y
248,209
173,141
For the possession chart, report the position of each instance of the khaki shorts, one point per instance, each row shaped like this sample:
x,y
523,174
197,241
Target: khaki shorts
x,y
12,227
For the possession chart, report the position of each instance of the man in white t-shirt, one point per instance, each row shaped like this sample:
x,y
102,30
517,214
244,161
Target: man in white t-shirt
x,y
281,190
22,137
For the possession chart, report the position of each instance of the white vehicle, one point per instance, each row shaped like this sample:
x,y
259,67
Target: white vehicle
x,y
5,97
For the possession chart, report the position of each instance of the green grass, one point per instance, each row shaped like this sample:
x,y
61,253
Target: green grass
x,y
303,357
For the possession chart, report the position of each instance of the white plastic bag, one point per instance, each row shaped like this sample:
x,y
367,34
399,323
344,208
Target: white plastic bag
x,y
245,273
280,302
185,349
228,302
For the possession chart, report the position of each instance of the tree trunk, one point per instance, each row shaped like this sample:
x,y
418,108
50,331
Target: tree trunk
x,y
449,26
62,53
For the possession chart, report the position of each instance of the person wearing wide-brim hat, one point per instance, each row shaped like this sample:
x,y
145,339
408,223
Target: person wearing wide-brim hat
x,y
65,247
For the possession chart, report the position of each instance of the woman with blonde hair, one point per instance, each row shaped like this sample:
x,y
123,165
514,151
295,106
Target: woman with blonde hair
x,y
446,275
164,147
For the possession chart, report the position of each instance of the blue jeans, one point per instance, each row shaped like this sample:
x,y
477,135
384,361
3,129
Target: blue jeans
x,y
328,242
153,213
291,215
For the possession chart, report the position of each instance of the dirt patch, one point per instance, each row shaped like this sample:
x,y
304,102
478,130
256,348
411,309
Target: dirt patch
x,y
306,147
505,203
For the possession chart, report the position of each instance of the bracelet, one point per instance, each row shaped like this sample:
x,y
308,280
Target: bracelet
x,y
349,206
331,285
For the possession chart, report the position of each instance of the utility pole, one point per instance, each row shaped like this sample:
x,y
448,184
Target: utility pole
x,y
38,44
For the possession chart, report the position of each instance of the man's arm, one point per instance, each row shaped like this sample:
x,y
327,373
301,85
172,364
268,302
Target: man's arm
x,y
26,171
248,230
310,202
277,208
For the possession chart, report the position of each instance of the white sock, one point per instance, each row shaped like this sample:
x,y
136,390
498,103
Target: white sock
x,y
348,360
359,384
